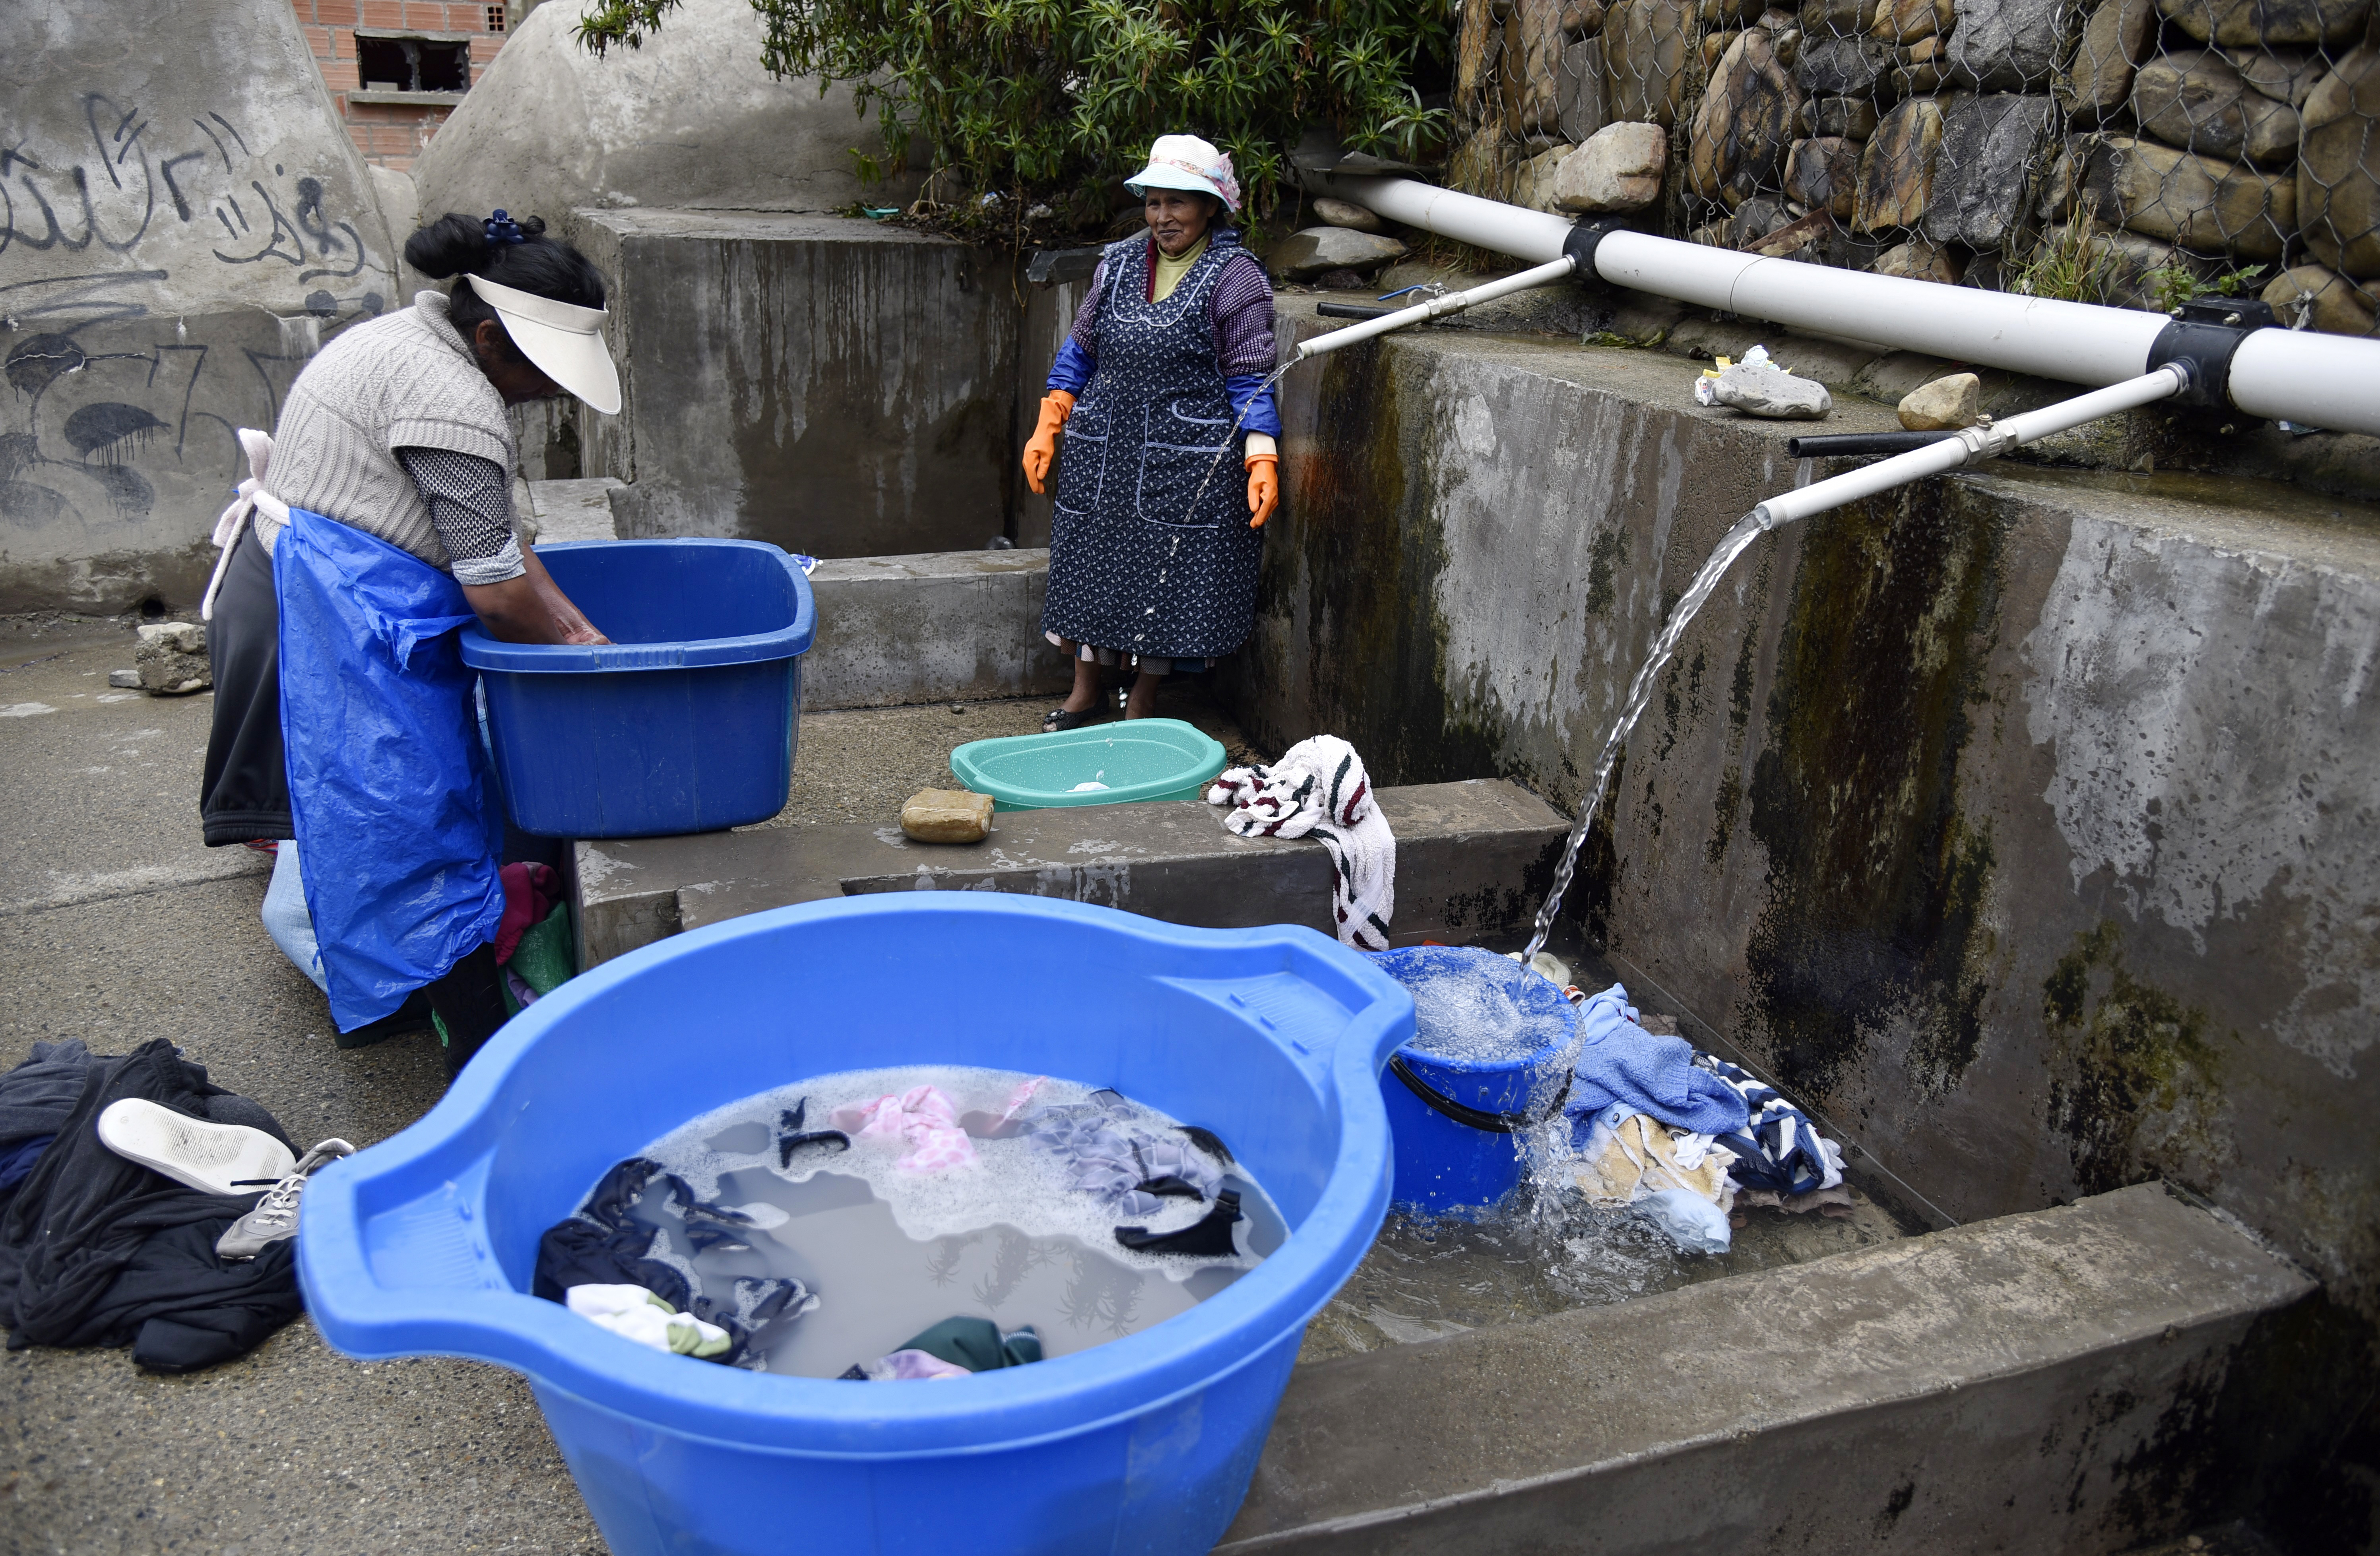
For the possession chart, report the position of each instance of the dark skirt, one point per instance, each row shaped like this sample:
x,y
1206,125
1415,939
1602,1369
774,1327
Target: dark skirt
x,y
245,793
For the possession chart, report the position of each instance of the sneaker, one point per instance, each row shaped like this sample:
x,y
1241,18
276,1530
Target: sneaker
x,y
195,1152
275,1215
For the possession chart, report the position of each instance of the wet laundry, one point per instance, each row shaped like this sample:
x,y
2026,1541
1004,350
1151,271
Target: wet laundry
x,y
1777,1148
1620,1064
953,1348
634,1313
1129,1166
1208,1237
793,1140
620,1237
99,1250
1679,1180
1319,789
922,1119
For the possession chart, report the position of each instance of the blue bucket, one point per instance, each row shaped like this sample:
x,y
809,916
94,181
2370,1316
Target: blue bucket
x,y
1274,1038
1456,1119
686,722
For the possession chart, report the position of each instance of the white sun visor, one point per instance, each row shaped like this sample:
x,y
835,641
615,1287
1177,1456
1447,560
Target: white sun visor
x,y
564,340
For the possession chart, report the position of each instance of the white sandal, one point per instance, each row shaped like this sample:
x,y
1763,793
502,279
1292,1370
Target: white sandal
x,y
225,1159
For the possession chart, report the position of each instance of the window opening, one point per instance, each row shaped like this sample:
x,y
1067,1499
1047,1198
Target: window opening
x,y
413,65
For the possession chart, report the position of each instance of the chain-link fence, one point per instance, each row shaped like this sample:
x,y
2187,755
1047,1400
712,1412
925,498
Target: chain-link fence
x,y
2140,153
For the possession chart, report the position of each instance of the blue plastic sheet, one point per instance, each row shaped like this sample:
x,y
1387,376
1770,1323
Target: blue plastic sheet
x,y
388,785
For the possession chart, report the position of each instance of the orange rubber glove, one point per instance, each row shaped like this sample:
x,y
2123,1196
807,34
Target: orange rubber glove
x,y
1264,487
1042,446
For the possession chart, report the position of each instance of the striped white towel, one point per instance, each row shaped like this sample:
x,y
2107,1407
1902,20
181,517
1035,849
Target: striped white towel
x,y
1318,789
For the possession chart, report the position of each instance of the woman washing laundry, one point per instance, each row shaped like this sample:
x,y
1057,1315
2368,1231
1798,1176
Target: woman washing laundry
x,y
1161,389
382,524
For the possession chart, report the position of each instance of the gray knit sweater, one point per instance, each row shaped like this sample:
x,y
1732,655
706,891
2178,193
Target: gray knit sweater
x,y
406,380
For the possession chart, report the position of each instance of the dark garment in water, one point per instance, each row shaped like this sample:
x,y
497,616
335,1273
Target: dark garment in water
x,y
603,1244
1210,1237
98,1250
974,1344
797,1141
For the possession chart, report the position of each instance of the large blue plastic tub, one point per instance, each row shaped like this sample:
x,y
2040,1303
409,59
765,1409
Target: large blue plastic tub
x,y
1274,1038
686,722
1457,1121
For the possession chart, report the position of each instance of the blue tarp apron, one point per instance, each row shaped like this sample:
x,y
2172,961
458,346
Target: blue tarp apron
x,y
398,836
1150,551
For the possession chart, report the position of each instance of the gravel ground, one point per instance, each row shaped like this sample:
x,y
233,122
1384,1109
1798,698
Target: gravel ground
x,y
117,926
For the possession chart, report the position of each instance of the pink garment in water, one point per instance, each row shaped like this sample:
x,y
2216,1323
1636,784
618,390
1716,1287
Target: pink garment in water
x,y
906,1367
923,1119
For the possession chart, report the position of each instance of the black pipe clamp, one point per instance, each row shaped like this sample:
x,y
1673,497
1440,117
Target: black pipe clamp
x,y
1583,239
2203,337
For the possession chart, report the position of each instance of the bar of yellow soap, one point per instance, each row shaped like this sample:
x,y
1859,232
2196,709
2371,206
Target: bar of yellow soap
x,y
947,816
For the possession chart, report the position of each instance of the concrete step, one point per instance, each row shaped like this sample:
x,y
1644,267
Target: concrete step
x,y
940,626
2045,1381
1473,859
937,627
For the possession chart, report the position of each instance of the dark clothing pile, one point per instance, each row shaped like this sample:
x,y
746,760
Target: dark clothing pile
x,y
99,1250
609,1241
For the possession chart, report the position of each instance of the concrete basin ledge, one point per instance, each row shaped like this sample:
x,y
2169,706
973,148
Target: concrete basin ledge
x,y
1472,858
2041,1381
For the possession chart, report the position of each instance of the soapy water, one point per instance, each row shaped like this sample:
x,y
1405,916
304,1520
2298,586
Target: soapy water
x,y
1092,785
890,1253
1545,1250
1468,1014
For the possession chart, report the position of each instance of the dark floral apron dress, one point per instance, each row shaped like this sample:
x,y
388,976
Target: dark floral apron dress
x,y
1143,561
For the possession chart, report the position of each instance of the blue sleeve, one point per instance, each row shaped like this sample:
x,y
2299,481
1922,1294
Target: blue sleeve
x,y
1251,402
1073,367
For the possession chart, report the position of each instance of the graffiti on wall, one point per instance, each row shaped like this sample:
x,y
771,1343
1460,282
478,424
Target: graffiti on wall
x,y
116,218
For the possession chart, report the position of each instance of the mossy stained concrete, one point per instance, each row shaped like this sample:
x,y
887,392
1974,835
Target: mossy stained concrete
x,y
2021,822
1999,1387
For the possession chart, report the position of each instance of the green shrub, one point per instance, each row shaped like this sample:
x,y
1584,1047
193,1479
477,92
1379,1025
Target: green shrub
x,y
1050,99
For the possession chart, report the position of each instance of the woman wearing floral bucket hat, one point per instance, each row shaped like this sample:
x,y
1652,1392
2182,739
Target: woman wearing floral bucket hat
x,y
1161,392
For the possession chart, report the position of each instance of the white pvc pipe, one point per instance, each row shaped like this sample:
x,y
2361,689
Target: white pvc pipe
x,y
1436,308
2318,381
1966,447
2304,376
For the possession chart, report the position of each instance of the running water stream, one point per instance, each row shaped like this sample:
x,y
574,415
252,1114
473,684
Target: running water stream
x,y
1734,544
1230,438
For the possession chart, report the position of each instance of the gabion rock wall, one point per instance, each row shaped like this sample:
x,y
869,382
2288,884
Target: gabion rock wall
x,y
2140,153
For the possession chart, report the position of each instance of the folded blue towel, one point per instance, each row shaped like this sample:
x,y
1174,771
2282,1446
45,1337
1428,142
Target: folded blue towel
x,y
1621,1063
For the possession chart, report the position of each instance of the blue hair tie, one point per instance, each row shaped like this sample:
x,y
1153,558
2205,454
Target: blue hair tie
x,y
502,229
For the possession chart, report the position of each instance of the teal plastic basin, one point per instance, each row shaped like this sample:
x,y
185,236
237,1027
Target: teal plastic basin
x,y
1137,758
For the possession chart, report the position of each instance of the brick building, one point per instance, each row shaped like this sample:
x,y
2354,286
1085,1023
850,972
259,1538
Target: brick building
x,y
398,67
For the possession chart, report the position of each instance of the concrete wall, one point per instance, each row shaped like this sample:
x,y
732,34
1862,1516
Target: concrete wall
x,y
690,121
2024,824
830,384
1048,315
182,222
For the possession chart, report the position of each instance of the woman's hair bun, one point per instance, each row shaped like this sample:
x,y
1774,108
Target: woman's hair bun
x,y
450,246
533,226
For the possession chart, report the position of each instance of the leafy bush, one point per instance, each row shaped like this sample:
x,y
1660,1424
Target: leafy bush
x,y
1050,98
